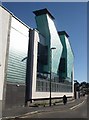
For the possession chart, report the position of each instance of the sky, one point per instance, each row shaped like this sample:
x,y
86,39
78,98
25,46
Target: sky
x,y
69,16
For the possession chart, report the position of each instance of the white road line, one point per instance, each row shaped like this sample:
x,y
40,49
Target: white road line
x,y
20,116
26,115
76,106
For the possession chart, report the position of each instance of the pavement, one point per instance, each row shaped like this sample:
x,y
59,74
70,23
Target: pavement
x,y
72,110
21,112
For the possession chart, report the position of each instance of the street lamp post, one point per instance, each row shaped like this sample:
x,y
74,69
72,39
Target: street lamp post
x,y
50,71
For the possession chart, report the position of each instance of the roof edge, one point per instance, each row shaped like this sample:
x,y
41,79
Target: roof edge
x,y
16,17
43,11
63,33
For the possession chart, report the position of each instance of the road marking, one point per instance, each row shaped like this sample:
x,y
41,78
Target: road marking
x,y
21,116
26,115
9,117
76,106
33,112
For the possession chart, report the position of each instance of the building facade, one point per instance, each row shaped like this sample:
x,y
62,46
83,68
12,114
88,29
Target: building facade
x,y
27,56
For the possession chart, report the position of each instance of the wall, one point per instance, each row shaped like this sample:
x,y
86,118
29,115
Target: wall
x,y
18,48
4,34
16,66
15,95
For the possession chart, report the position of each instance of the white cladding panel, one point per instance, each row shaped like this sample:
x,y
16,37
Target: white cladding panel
x,y
4,28
19,26
34,77
18,50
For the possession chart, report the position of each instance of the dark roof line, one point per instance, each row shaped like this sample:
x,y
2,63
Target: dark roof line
x,y
63,33
43,11
16,17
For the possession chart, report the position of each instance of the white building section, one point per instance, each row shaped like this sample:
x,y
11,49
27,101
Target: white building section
x,y
18,49
4,34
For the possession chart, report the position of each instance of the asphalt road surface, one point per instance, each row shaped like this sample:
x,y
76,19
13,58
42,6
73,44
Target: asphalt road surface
x,y
77,109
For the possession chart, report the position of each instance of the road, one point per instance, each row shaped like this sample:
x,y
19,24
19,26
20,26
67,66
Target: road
x,y
73,110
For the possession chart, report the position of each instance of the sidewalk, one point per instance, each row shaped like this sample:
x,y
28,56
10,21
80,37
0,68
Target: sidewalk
x,y
24,111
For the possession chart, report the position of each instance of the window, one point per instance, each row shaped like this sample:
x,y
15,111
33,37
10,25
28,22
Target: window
x,y
62,65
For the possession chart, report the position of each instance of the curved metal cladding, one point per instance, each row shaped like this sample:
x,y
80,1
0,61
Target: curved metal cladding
x,y
42,26
67,54
70,59
46,27
63,72
54,42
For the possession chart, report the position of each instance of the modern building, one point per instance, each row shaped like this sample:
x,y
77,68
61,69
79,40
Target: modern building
x,y
28,55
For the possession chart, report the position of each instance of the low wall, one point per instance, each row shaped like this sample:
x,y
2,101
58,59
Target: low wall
x,y
15,95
